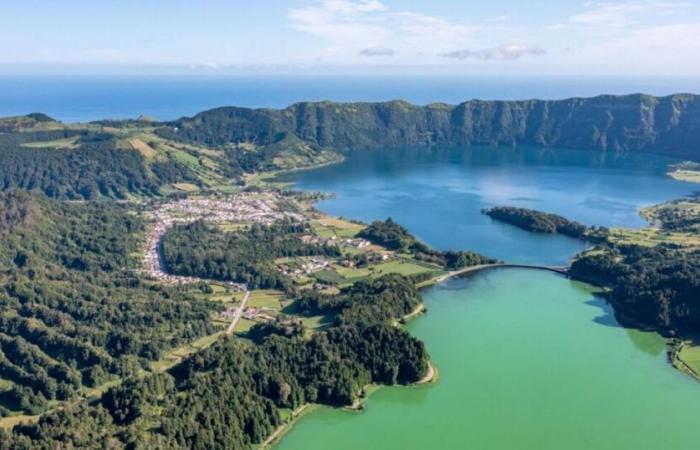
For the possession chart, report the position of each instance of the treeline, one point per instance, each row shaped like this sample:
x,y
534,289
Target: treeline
x,y
97,168
657,288
228,395
538,221
393,236
604,123
202,250
73,312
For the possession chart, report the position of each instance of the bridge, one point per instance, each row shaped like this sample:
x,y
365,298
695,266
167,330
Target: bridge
x,y
556,269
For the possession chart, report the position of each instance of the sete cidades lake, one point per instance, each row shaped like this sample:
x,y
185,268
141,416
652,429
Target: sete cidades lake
x,y
438,194
527,359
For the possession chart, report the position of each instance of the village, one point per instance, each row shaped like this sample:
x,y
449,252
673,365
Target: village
x,y
242,307
239,209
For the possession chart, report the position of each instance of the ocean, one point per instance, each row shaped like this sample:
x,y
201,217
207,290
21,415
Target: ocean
x,y
82,98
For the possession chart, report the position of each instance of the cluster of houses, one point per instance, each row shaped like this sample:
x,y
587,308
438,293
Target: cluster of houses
x,y
306,266
259,314
333,240
239,208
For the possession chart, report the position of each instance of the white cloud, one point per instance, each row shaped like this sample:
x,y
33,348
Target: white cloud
x,y
608,15
377,51
501,53
349,27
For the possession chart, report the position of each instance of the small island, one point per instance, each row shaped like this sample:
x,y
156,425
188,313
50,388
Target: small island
x,y
541,222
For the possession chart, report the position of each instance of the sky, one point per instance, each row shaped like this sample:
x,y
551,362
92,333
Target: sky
x,y
535,37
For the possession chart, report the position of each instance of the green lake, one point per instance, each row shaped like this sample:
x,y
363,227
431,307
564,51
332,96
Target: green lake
x,y
527,359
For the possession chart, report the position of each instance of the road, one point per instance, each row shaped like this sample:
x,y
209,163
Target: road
x,y
239,313
454,273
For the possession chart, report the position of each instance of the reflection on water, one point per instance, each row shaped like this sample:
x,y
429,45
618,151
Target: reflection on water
x,y
439,194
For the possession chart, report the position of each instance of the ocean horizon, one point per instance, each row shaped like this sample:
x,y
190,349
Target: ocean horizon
x,y
81,98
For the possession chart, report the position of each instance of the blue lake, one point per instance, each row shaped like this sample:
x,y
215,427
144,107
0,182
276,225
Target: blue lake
x,y
439,194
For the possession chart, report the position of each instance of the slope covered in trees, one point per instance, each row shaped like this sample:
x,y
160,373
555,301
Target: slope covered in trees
x,y
202,250
655,288
537,221
665,125
228,395
97,167
394,236
72,311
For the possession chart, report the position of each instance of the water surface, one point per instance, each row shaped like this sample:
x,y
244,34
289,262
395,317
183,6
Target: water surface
x,y
95,96
527,359
439,194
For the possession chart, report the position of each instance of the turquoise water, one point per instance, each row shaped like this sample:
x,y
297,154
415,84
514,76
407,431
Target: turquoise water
x,y
527,359
439,194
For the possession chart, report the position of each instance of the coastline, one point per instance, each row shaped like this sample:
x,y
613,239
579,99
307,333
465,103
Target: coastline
x,y
431,377
432,374
674,357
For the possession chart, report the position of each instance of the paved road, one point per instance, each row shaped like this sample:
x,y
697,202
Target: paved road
x,y
239,313
454,273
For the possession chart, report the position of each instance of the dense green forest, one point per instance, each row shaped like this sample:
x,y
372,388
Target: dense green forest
x,y
202,250
192,405
72,313
97,167
394,236
655,288
537,221
637,122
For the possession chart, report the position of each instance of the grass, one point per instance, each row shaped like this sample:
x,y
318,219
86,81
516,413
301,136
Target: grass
x,y
66,143
244,325
690,355
652,236
185,187
265,298
353,275
178,354
8,422
329,226
318,322
146,150
329,276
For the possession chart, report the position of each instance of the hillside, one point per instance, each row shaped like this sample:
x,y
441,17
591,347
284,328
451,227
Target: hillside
x,y
72,313
638,123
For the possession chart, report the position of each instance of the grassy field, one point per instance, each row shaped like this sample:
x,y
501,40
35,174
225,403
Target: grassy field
x,y
690,355
67,143
317,322
265,298
178,354
185,187
244,325
353,275
329,227
652,236
329,276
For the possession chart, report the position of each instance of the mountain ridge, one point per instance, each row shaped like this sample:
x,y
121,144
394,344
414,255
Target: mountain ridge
x,y
668,125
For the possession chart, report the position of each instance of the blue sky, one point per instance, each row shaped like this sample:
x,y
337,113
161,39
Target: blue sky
x,y
637,37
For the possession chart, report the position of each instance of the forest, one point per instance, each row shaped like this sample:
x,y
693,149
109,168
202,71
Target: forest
x,y
537,221
394,236
653,288
96,168
190,406
246,256
72,313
